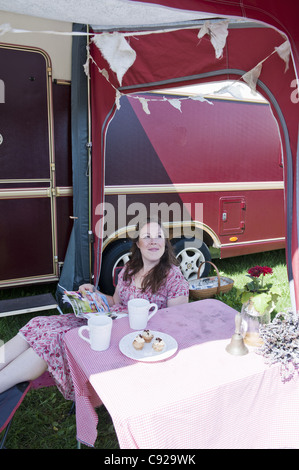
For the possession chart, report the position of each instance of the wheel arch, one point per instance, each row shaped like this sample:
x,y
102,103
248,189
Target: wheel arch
x,y
180,229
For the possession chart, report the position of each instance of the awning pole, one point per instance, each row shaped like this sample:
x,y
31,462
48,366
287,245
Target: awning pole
x,y
89,151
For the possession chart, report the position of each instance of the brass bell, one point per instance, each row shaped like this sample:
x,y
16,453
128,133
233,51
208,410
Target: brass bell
x,y
237,346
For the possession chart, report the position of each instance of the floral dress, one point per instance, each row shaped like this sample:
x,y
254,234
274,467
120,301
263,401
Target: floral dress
x,y
45,334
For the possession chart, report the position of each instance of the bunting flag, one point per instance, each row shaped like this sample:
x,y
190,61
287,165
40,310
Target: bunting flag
x,y
176,103
218,33
117,99
144,103
252,76
233,89
284,51
117,51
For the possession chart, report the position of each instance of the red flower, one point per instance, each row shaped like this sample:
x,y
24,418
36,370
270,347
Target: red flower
x,y
266,270
256,271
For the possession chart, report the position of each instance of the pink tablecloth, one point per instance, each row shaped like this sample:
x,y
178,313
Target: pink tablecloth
x,y
202,397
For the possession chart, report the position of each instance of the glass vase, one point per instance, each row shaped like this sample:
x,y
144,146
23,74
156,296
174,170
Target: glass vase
x,y
251,321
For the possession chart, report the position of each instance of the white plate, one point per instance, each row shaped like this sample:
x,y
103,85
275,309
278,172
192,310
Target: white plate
x,y
148,354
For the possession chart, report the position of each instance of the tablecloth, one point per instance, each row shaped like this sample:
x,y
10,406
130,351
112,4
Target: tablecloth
x,y
202,397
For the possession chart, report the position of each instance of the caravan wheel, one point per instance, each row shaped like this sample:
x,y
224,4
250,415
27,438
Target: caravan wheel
x,y
190,256
114,257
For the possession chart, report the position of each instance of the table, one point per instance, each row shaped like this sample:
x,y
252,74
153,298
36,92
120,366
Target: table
x,y
202,397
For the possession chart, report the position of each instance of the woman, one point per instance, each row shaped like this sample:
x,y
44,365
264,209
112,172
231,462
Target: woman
x,y
151,273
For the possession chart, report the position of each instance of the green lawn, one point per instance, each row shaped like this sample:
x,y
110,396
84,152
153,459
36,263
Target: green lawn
x,y
44,422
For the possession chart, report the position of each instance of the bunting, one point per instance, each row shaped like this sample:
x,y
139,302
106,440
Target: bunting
x,y
121,56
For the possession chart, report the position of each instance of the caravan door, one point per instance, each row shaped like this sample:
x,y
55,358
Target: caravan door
x,y
28,223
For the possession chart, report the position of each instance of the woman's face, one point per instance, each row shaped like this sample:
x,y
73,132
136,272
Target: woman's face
x,y
151,242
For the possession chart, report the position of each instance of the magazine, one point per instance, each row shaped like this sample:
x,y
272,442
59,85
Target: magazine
x,y
88,305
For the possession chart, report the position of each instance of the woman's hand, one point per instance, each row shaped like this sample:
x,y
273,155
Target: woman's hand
x,y
86,287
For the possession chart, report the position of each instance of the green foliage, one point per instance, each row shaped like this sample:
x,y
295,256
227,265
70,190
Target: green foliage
x,y
236,268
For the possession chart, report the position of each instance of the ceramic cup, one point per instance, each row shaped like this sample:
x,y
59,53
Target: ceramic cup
x,y
99,328
139,313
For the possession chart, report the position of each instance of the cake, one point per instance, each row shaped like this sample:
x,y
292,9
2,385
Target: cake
x,y
158,344
147,335
138,342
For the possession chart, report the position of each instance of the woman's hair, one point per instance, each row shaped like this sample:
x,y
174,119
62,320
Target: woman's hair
x,y
158,274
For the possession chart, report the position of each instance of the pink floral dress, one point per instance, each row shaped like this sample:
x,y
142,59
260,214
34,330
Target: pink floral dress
x,y
45,334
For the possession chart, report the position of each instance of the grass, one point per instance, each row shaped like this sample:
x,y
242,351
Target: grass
x,y
236,268
44,420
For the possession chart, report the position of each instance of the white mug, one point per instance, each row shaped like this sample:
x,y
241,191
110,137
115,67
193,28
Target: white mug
x,y
99,328
139,313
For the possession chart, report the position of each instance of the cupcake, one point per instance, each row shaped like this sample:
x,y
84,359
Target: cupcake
x,y
158,344
138,342
147,335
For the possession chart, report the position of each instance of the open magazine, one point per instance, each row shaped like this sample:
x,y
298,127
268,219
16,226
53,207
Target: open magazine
x,y
88,305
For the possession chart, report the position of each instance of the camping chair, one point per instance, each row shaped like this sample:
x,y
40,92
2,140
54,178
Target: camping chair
x,y
9,403
12,399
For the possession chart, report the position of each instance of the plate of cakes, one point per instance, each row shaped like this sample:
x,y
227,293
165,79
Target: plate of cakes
x,y
148,346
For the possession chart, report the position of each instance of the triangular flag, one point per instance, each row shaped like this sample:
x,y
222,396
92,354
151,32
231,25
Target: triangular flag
x,y
201,98
252,76
144,104
116,50
284,51
86,67
175,103
233,90
218,33
118,96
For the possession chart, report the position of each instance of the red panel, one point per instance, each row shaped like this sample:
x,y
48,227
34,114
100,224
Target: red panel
x,y
224,142
24,152
25,242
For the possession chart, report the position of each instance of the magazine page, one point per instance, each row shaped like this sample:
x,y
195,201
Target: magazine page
x,y
88,305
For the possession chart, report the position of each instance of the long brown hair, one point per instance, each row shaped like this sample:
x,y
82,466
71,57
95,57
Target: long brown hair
x,y
158,274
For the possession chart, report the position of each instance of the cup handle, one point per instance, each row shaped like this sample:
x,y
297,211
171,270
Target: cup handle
x,y
85,327
155,310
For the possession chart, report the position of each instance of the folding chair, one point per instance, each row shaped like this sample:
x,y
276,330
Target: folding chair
x,y
9,403
12,399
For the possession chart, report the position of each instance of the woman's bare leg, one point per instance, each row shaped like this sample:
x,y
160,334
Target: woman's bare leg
x,y
12,349
21,363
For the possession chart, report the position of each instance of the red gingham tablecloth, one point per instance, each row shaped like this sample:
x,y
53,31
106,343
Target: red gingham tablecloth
x,y
202,397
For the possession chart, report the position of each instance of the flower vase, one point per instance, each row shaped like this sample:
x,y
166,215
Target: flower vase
x,y
251,321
